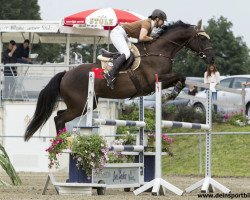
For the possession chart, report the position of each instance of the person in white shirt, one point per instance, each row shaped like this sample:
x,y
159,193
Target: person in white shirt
x,y
212,77
246,83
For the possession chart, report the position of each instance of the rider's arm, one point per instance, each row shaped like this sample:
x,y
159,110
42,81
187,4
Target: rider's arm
x,y
144,35
217,77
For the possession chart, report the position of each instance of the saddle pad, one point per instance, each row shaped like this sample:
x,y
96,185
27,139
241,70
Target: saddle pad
x,y
107,62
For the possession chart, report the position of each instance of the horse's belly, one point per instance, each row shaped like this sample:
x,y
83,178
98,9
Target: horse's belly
x,y
122,90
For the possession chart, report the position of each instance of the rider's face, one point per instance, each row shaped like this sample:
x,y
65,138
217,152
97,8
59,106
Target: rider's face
x,y
159,23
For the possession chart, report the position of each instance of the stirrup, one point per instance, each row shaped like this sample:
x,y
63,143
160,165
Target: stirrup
x,y
110,80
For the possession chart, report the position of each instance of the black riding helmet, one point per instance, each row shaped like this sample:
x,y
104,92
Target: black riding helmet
x,y
158,13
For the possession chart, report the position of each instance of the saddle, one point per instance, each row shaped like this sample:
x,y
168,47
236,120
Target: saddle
x,y
107,57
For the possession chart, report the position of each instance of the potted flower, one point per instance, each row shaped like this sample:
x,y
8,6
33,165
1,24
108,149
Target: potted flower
x,y
90,152
59,143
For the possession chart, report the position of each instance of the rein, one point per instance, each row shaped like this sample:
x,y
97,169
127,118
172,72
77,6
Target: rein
x,y
200,53
152,54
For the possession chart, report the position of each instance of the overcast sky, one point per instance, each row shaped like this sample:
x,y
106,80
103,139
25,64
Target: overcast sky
x,y
189,11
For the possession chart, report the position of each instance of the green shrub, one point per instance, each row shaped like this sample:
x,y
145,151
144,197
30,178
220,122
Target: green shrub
x,y
238,120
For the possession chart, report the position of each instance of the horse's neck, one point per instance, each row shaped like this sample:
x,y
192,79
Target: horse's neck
x,y
162,63
173,41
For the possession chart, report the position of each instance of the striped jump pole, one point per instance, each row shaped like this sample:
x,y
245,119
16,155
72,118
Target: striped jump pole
x,y
174,124
158,185
110,122
137,148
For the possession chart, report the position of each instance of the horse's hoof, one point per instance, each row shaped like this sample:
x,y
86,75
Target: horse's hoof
x,y
167,97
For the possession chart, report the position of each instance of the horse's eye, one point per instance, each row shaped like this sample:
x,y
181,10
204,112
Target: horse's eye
x,y
202,55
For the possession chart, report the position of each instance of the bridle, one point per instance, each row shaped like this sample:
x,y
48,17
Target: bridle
x,y
184,44
201,53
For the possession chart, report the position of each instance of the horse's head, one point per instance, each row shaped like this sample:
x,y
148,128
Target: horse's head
x,y
181,35
200,44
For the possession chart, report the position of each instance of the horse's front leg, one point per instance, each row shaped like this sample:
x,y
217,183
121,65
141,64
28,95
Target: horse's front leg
x,y
176,80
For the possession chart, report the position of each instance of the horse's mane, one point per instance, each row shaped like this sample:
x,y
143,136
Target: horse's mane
x,y
166,28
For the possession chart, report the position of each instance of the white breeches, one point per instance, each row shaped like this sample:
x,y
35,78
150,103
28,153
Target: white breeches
x,y
119,39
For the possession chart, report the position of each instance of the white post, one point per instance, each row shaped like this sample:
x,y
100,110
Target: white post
x,y
158,185
208,133
1,47
90,99
208,183
67,48
141,141
94,50
158,131
109,39
243,93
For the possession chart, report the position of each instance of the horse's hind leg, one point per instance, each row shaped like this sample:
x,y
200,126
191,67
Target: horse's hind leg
x,y
175,79
65,116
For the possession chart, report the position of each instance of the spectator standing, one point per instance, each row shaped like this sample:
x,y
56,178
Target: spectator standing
x,y
23,51
212,77
246,83
9,56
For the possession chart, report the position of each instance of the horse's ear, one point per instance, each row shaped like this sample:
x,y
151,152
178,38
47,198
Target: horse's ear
x,y
199,24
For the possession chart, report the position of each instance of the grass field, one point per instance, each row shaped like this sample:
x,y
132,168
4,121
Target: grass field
x,y
230,153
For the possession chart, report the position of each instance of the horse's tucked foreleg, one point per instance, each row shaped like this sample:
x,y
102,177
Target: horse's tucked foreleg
x,y
169,80
175,92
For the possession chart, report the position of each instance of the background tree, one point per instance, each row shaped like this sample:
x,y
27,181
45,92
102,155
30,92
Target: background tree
x,y
30,10
19,10
232,53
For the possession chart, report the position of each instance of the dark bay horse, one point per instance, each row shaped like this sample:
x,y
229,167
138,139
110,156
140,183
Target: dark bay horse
x,y
156,58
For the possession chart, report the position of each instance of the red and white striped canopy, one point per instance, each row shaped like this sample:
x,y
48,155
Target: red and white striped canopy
x,y
105,17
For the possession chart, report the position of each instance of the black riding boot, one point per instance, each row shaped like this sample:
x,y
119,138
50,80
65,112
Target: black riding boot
x,y
111,75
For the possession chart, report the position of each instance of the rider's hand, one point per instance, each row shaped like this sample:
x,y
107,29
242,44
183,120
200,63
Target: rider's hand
x,y
155,37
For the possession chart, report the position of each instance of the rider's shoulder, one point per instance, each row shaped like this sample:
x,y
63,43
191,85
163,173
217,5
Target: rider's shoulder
x,y
146,22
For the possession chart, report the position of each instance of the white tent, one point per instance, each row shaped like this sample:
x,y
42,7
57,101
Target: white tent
x,y
49,32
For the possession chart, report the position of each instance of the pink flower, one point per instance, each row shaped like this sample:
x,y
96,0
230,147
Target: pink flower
x,y
79,159
60,141
54,142
167,139
49,149
64,129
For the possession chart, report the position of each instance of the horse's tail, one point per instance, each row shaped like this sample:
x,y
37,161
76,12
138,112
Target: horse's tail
x,y
45,105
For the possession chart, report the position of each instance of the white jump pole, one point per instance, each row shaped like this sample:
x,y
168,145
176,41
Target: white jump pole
x,y
158,185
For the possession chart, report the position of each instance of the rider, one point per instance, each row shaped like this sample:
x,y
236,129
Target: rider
x,y
140,30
